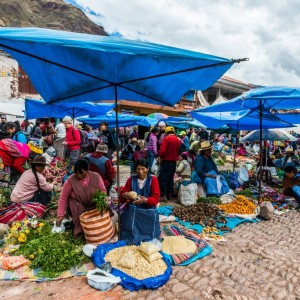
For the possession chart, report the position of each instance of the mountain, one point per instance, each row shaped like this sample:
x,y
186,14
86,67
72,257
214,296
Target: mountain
x,y
52,14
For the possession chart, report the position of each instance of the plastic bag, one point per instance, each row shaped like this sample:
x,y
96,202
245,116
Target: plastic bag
x,y
127,260
187,195
148,248
101,280
58,229
154,167
243,175
14,262
153,257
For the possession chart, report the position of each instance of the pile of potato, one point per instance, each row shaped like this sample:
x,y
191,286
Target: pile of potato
x,y
204,214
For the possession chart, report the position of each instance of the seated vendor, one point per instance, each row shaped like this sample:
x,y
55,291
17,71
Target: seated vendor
x,y
290,158
183,168
77,194
30,182
139,222
291,183
242,150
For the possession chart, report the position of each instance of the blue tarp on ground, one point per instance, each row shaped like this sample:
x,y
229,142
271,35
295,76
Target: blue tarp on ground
x,y
39,109
68,66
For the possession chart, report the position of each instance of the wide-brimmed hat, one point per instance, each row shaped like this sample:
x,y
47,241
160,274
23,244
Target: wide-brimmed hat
x,y
205,146
170,129
134,139
102,148
39,160
289,150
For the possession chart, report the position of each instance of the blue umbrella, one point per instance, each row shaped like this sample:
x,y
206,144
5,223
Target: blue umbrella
x,y
39,109
263,100
110,119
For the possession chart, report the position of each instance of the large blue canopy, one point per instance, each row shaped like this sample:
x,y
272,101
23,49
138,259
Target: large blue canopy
x,y
39,109
274,97
66,66
183,122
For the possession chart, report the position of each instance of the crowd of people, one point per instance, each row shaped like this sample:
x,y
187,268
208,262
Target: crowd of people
x,y
160,156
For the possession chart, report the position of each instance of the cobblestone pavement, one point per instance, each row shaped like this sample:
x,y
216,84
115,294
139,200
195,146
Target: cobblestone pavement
x,y
258,261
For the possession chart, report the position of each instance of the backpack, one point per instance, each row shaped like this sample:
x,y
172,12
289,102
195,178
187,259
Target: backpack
x,y
17,134
84,138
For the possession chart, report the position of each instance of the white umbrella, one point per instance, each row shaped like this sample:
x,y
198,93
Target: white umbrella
x,y
268,134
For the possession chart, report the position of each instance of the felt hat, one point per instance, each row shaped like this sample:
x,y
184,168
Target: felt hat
x,y
205,146
170,129
102,148
134,139
289,150
3,117
39,160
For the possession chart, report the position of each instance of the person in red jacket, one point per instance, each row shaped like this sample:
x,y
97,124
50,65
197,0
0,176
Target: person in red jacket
x,y
168,155
72,142
101,164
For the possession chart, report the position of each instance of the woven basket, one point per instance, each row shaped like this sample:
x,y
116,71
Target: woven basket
x,y
97,229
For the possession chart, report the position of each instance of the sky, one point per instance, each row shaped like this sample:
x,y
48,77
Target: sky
x,y
267,32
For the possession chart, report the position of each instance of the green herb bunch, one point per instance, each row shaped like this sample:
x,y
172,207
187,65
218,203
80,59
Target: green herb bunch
x,y
100,200
211,200
52,253
245,192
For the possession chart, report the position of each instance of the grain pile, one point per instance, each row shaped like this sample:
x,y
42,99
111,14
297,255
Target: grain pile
x,y
178,244
137,265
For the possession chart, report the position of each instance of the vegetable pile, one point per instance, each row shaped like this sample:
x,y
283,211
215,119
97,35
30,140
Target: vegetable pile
x,y
241,205
201,213
53,253
5,196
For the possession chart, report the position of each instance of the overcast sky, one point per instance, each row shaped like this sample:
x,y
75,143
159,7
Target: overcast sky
x,y
267,32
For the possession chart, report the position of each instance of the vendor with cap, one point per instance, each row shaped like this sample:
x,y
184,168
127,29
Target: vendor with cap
x,y
101,164
162,129
185,141
204,164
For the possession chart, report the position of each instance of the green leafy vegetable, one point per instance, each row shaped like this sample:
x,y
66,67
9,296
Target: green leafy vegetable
x,y
100,200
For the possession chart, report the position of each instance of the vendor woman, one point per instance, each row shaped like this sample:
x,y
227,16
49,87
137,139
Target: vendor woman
x,y
77,194
140,221
205,166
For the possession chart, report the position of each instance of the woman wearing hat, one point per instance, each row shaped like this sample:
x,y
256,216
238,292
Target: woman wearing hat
x,y
31,181
101,164
290,158
30,195
205,166
185,141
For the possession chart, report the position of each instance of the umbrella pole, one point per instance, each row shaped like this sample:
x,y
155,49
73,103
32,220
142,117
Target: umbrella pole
x,y
118,158
261,151
234,161
73,116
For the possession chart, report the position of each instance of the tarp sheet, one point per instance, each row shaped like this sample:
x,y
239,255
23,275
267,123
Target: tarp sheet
x,y
68,66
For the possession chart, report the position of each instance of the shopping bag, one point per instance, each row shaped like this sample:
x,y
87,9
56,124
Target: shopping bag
x,y
154,167
187,194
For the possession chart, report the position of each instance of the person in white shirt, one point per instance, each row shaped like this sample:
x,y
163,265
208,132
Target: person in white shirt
x,y
60,137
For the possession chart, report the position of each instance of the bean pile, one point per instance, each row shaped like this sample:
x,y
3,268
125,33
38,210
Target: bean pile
x,y
140,268
201,213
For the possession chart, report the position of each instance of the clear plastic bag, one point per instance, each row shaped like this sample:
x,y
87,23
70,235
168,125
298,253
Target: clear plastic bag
x,y
101,280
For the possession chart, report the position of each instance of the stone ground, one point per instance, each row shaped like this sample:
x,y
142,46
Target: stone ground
x,y
259,261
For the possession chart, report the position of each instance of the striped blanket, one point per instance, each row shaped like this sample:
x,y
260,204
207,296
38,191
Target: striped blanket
x,y
19,211
188,234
